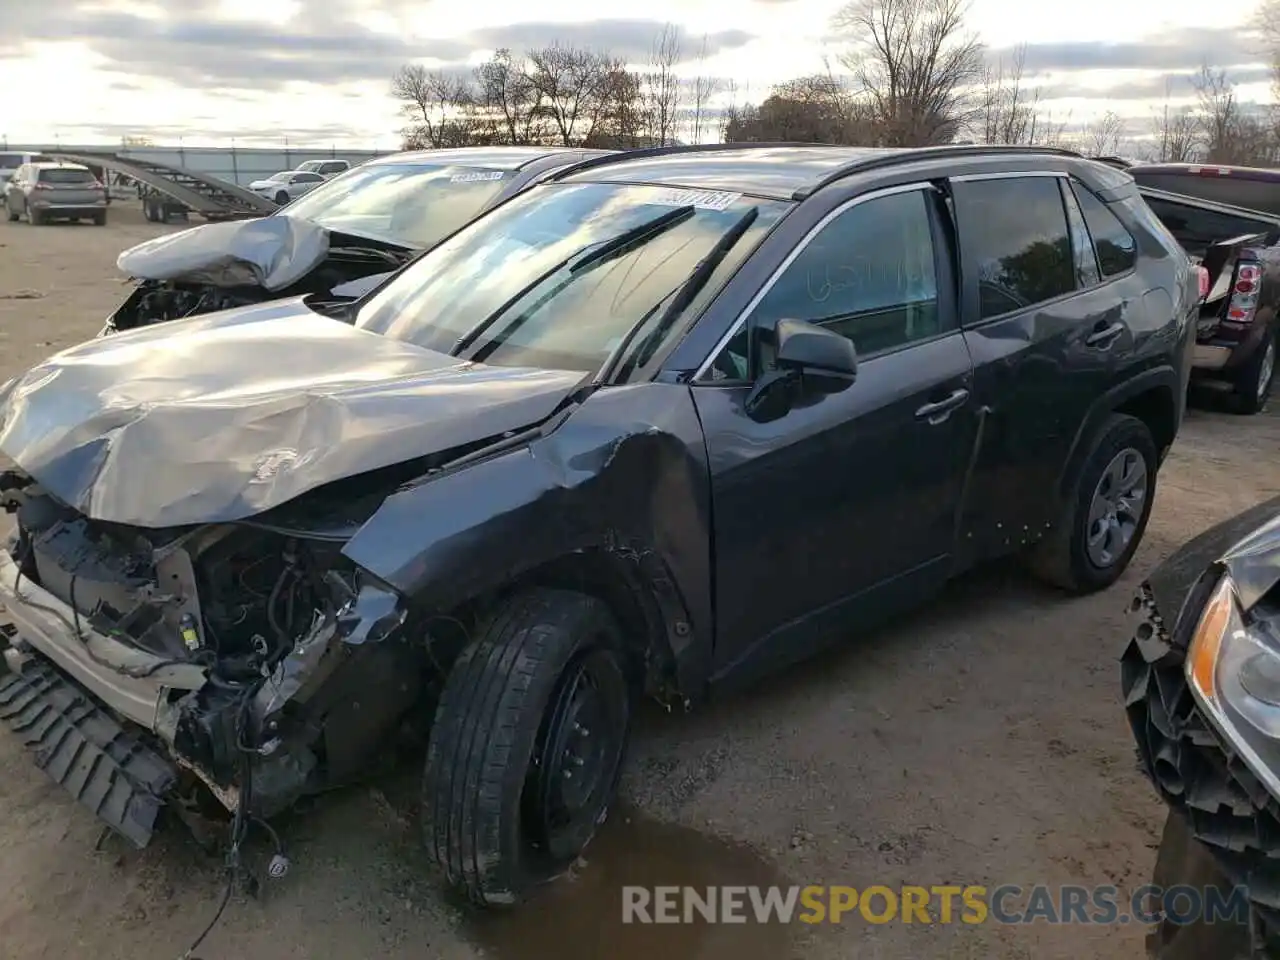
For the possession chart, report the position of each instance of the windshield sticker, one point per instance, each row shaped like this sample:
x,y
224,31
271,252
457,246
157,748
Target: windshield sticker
x,y
477,176
701,199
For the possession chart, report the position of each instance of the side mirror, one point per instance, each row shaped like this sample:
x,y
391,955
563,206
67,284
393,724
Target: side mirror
x,y
826,361
810,360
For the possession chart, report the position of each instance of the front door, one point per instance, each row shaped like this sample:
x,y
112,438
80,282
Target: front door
x,y
831,515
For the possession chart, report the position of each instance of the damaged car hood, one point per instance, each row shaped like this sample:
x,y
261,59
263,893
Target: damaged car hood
x,y
271,252
247,410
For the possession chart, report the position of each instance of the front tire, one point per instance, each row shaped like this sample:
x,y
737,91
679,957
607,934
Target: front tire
x,y
1106,514
527,745
1253,386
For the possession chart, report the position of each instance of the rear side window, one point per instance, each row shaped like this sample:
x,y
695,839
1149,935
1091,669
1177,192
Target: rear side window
x,y
57,175
1014,231
1117,251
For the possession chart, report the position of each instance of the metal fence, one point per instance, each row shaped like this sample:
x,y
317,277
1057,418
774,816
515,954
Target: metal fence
x,y
240,165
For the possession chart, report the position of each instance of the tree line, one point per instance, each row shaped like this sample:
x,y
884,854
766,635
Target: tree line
x,y
908,73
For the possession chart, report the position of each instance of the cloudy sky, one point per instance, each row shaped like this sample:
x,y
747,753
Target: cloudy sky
x,y
316,71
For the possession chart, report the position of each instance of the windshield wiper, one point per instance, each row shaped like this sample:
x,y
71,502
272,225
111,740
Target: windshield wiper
x,y
683,295
576,264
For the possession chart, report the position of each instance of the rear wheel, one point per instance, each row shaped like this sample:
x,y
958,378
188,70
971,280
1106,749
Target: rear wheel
x,y
1253,385
527,745
1106,514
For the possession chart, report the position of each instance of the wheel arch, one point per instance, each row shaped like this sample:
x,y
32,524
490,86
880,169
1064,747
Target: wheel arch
x,y
1151,396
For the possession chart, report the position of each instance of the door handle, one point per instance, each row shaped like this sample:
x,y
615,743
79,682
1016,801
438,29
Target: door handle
x,y
1105,336
936,412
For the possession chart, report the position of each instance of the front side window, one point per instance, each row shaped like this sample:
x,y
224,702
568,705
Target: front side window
x,y
1117,250
413,204
867,275
564,275
1014,232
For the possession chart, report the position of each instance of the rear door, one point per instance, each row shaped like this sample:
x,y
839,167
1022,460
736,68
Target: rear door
x,y
845,507
1049,332
69,186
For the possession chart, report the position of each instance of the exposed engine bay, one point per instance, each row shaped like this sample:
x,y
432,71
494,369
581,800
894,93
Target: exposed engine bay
x,y
221,266
268,615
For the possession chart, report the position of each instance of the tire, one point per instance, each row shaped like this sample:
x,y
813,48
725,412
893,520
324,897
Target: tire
x,y
35,219
148,212
491,770
282,198
1063,558
100,219
1254,383
13,217
1183,860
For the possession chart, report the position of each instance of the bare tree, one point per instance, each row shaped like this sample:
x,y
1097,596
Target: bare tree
x,y
431,101
509,105
1102,136
731,112
704,89
812,109
914,64
1219,111
571,83
662,92
1177,131
1007,111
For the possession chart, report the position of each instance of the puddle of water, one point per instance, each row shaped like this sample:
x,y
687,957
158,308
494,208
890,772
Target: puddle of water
x,y
581,917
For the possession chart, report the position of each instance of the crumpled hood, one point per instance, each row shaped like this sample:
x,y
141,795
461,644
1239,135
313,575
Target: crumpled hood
x,y
269,252
226,415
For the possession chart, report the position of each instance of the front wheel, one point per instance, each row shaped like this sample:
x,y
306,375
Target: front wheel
x,y
1253,386
527,745
1106,514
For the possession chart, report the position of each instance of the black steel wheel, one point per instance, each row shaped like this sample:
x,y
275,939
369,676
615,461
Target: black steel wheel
x,y
527,745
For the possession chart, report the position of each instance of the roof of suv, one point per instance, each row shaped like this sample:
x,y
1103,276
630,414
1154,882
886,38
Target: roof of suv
x,y
57,165
778,171
496,158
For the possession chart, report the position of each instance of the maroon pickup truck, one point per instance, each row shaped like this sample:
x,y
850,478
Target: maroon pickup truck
x,y
1236,339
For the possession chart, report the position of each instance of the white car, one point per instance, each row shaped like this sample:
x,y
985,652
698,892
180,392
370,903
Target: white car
x,y
326,168
287,185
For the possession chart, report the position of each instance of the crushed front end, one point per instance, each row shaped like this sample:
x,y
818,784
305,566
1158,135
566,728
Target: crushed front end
x,y
157,668
1201,682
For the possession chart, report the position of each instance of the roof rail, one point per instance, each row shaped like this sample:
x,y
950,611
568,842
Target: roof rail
x,y
907,154
591,163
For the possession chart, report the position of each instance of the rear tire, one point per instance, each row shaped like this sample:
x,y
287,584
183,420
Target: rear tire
x,y
13,217
1100,529
540,698
1254,383
34,218
100,219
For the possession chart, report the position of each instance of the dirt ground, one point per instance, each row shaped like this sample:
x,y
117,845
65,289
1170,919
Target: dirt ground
x,y
980,742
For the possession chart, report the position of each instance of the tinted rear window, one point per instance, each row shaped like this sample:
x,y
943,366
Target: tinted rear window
x,y
66,176
1016,232
1117,251
10,161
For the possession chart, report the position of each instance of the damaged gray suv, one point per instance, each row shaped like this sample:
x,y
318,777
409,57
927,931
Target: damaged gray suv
x,y
662,424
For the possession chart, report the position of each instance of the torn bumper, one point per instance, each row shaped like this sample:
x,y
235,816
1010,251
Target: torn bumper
x,y
83,748
1195,771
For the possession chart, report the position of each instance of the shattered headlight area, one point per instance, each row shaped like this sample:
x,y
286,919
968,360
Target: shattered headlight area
x,y
1199,697
259,661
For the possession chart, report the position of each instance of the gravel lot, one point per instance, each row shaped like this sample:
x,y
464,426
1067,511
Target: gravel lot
x,y
981,741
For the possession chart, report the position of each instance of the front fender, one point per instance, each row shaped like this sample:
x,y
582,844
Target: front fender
x,y
626,473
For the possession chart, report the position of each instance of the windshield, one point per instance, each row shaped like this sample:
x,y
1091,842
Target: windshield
x,y
311,166
412,204
543,282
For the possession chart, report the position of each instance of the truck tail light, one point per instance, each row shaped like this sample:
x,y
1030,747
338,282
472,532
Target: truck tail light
x,y
1202,275
42,186
1244,293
